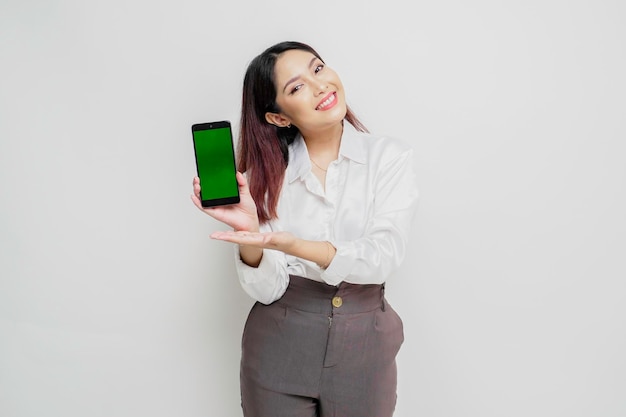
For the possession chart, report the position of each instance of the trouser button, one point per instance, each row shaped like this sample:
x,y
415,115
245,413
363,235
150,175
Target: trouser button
x,y
337,302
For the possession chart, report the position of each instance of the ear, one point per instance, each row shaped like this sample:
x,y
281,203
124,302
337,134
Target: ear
x,y
277,119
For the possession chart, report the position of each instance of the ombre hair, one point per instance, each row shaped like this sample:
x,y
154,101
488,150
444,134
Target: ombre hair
x,y
263,148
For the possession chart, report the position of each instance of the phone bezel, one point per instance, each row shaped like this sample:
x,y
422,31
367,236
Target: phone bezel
x,y
211,126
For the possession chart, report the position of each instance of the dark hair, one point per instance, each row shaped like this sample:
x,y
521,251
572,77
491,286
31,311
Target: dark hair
x,y
263,148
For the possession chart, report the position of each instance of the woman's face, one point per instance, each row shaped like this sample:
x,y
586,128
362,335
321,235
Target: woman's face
x,y
309,93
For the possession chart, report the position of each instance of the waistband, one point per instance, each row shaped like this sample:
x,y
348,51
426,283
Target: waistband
x,y
318,297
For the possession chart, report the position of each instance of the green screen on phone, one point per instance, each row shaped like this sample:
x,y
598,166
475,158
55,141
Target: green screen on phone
x,y
215,161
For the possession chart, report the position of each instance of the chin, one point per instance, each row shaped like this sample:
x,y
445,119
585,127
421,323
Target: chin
x,y
340,112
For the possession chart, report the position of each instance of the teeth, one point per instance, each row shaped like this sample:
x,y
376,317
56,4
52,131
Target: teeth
x,y
327,102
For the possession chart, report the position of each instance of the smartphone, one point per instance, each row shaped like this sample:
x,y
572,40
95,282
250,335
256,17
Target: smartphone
x,y
215,163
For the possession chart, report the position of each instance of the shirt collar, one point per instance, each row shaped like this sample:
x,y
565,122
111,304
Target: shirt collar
x,y
352,147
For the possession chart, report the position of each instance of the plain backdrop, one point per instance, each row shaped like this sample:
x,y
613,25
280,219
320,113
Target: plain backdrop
x,y
115,303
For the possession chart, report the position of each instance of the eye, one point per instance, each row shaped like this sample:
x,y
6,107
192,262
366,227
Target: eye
x,y
319,68
296,88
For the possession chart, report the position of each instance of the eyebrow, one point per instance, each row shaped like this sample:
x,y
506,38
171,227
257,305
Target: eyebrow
x,y
297,76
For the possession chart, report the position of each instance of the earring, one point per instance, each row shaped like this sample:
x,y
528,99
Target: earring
x,y
289,126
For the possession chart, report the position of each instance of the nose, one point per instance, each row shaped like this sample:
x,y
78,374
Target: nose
x,y
320,87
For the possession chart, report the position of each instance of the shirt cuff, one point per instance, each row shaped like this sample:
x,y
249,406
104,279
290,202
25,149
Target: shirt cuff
x,y
339,267
266,268
266,283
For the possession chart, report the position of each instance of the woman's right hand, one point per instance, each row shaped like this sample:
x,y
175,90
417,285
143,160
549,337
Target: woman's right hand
x,y
241,216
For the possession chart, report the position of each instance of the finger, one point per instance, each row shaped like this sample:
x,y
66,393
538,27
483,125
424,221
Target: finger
x,y
242,238
197,202
232,235
242,182
229,238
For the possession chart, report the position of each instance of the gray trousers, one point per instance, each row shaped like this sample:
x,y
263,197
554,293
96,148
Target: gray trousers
x,y
321,351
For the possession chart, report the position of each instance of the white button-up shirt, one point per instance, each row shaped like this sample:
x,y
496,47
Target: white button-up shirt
x,y
365,211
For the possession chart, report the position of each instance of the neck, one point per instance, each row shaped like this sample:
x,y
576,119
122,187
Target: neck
x,y
324,143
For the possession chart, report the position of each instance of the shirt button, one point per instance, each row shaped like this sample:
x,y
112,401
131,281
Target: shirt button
x,y
337,302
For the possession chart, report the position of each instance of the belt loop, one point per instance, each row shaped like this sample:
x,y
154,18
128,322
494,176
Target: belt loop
x,y
382,297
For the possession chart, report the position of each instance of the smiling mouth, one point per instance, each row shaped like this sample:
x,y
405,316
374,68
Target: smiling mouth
x,y
328,101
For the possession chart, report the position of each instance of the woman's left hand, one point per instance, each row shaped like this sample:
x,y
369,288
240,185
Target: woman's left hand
x,y
282,241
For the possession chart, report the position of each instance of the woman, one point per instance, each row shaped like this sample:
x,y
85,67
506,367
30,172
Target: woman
x,y
324,218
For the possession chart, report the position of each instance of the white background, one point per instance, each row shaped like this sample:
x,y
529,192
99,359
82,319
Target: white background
x,y
114,301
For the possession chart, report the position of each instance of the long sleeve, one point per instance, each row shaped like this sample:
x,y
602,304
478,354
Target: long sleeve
x,y
381,249
267,282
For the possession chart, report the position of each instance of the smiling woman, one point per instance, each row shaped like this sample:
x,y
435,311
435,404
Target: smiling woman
x,y
324,217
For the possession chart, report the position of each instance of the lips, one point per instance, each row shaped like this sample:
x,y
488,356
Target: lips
x,y
327,102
